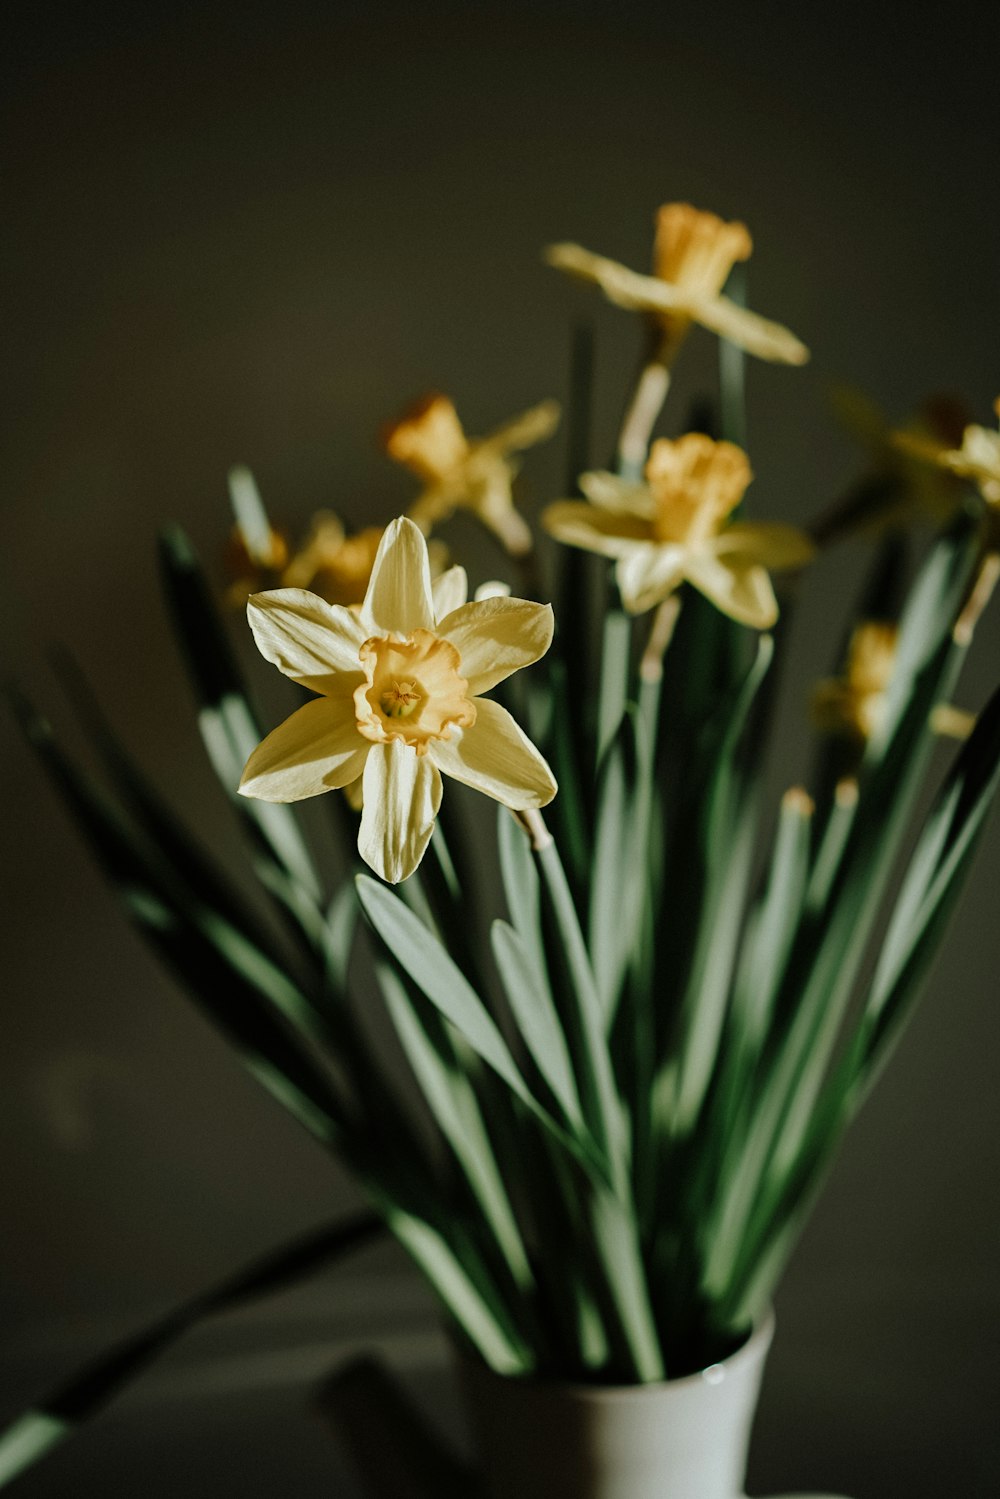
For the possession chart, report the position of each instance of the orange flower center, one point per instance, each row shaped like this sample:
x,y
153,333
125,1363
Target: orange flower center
x,y
412,690
696,484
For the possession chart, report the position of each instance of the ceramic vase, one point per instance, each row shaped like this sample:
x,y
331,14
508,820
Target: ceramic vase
x,y
681,1439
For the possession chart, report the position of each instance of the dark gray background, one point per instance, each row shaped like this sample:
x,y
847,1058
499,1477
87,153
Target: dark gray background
x,y
253,235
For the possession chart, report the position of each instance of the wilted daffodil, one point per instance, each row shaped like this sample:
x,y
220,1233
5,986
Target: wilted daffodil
x,y
460,472
693,254
673,529
399,684
978,457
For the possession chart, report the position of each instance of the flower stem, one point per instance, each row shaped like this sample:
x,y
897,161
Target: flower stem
x,y
640,417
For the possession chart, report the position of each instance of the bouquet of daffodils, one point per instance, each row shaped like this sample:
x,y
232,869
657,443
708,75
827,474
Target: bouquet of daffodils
x,y
631,1082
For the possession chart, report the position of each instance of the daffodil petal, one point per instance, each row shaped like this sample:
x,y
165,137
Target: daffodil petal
x,y
620,496
741,590
317,749
399,599
756,334
311,641
493,504
581,525
626,288
647,574
495,757
497,636
450,591
772,545
524,430
401,794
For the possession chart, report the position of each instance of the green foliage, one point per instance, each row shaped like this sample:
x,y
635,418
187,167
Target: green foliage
x,y
633,1081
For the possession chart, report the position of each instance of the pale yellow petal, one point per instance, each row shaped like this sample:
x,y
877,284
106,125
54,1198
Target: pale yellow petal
x,y
450,591
493,589
619,496
317,749
496,758
582,525
624,287
524,430
401,793
493,503
773,545
741,590
647,574
311,641
399,594
497,636
750,331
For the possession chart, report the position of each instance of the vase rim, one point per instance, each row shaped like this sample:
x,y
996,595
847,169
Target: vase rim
x,y
752,1350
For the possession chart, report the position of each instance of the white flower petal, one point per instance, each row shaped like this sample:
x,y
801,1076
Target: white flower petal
x,y
317,749
496,758
493,589
399,599
740,589
497,636
311,641
581,525
402,794
646,574
450,591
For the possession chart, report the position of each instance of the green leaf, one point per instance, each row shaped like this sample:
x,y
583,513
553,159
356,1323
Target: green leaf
x,y
421,957
452,1102
534,1013
235,984
228,724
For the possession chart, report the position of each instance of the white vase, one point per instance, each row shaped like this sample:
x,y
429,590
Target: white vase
x,y
682,1439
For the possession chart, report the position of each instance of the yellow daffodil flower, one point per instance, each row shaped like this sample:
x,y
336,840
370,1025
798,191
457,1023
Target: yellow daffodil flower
x,y
693,254
399,686
978,457
896,489
332,563
854,704
672,529
467,473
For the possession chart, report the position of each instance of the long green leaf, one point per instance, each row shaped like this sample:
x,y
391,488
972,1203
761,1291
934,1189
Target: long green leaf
x,y
422,959
227,721
452,1102
531,1005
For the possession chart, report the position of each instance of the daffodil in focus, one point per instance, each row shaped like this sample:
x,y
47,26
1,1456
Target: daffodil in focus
x,y
399,684
693,254
977,458
459,472
674,529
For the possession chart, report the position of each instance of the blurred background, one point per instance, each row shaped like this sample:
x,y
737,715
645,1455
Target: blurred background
x,y
251,234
